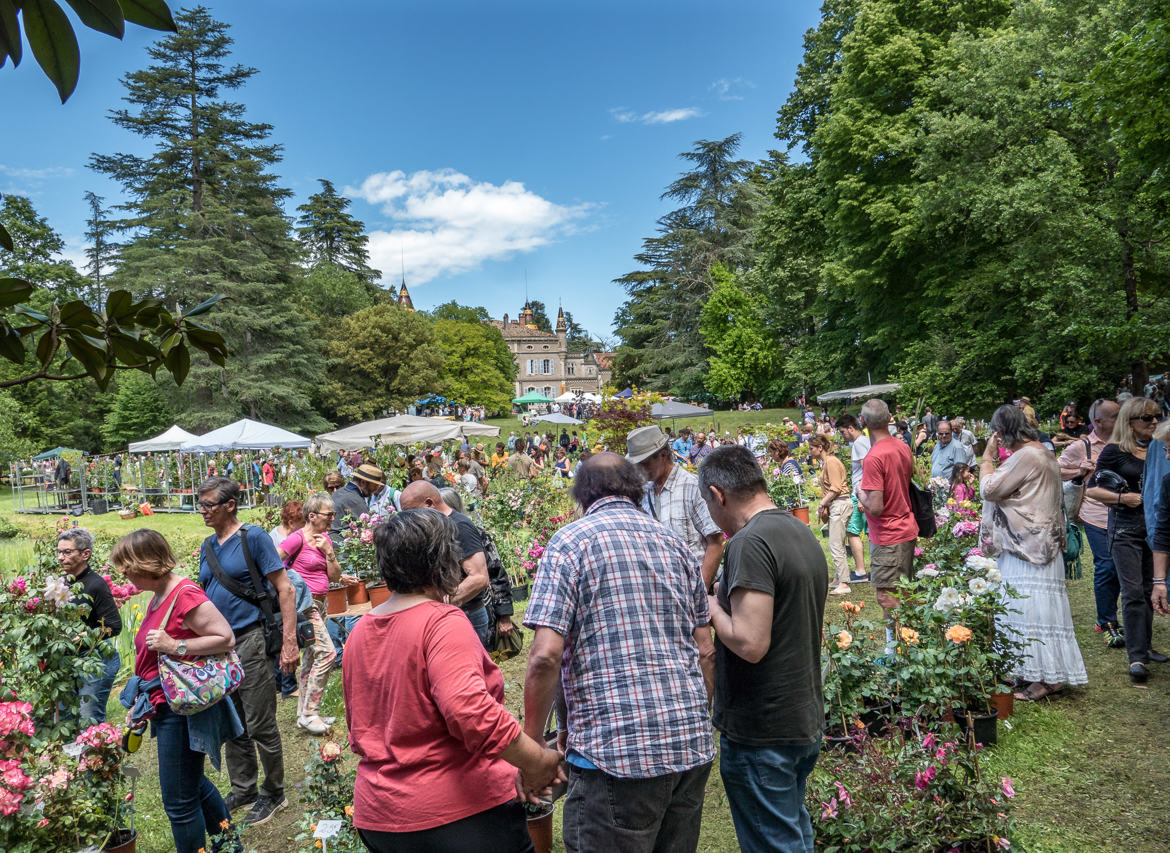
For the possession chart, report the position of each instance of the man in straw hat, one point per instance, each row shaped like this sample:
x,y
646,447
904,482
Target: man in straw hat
x,y
672,496
353,499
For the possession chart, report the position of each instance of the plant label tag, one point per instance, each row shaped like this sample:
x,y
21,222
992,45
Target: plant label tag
x,y
327,828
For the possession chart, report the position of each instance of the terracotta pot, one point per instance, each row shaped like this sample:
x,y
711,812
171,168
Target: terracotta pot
x,y
335,601
356,593
378,593
1005,703
801,512
540,830
121,841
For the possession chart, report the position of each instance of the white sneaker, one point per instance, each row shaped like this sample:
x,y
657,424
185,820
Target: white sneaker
x,y
313,725
329,720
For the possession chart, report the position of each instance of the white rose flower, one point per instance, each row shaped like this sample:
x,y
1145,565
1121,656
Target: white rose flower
x,y
982,564
978,586
928,573
57,591
994,576
948,599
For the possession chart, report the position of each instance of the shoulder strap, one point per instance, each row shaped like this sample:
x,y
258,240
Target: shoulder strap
x,y
263,597
292,555
225,580
174,597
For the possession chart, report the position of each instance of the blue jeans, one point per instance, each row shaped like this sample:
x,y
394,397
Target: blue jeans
x,y
1106,586
481,623
191,802
95,691
765,791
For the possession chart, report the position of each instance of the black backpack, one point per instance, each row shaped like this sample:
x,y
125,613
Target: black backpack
x,y
922,506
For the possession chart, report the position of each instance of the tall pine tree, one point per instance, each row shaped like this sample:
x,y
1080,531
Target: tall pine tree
x,y
204,213
330,234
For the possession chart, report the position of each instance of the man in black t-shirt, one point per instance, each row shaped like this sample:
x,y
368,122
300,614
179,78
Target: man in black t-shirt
x,y
74,548
767,610
469,595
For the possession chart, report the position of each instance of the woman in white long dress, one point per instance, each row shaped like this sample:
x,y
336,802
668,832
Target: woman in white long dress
x,y
1024,529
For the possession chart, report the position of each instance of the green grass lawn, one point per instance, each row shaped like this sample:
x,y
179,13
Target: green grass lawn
x,y
1089,766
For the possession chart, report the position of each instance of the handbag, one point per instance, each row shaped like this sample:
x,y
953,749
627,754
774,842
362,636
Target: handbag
x,y
506,646
922,507
191,685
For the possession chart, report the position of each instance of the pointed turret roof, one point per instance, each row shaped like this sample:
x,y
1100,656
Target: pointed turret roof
x,y
404,297
561,327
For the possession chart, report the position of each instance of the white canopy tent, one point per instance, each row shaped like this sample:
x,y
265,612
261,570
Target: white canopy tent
x,y
859,392
401,429
172,439
567,397
244,434
675,409
557,418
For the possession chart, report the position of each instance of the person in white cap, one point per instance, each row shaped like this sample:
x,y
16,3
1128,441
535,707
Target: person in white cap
x,y
672,496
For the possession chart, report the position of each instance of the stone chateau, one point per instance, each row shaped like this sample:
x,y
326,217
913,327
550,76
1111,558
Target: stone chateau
x,y
543,359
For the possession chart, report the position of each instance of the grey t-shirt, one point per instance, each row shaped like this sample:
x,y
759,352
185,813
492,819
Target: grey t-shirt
x,y
778,701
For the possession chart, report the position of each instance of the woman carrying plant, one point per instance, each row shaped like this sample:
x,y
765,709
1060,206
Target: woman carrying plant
x,y
1024,529
1117,483
425,708
561,464
779,453
835,507
309,551
179,621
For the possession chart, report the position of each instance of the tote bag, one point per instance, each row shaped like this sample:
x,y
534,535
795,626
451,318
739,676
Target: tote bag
x,y
195,684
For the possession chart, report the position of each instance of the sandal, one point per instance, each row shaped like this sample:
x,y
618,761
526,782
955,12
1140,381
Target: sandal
x,y
1038,690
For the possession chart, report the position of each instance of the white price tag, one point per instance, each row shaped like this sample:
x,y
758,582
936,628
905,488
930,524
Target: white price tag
x,y
327,828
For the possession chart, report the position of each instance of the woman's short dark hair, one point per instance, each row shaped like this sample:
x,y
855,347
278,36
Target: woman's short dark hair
x,y
733,470
418,549
1012,426
225,489
607,475
779,449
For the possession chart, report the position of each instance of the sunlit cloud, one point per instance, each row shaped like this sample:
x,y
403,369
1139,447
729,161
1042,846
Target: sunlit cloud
x,y
627,116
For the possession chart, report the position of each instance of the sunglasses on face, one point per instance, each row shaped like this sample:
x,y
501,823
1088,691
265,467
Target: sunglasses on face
x,y
1146,418
208,506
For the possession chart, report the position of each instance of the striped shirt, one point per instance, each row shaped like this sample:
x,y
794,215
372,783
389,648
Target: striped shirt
x,y
627,596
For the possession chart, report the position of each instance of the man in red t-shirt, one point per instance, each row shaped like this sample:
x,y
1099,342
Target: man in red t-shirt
x,y
885,497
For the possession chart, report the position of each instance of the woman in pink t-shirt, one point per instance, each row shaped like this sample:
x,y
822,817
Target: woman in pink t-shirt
x,y
310,552
425,708
194,627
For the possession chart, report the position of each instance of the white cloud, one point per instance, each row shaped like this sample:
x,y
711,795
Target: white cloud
x,y
724,88
37,174
627,116
451,224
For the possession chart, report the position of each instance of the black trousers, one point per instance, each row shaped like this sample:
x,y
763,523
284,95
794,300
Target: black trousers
x,y
1135,569
503,829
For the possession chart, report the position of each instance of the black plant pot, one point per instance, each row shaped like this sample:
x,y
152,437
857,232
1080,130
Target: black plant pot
x,y
520,593
877,720
984,725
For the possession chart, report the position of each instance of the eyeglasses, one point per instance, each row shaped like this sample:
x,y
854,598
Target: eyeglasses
x,y
1146,418
65,552
208,506
325,514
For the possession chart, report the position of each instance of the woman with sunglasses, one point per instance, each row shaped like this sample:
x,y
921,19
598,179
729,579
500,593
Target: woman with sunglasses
x,y
1117,483
309,552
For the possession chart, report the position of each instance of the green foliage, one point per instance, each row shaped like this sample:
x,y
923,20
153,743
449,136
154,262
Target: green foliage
x,y
140,411
381,358
617,416
659,323
540,315
460,313
36,249
477,366
743,353
332,237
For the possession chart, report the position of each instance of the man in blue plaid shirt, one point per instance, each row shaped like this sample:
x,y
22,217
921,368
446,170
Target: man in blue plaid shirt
x,y
621,619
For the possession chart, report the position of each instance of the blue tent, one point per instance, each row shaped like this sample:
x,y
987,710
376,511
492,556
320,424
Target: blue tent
x,y
431,399
625,395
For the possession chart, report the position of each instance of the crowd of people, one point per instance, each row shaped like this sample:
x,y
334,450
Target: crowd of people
x,y
681,600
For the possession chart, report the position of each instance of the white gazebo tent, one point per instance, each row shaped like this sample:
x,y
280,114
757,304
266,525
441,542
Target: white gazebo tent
x,y
401,429
172,439
860,392
557,418
244,434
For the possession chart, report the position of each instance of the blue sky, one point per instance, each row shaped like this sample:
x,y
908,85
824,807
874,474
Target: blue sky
x,y
481,141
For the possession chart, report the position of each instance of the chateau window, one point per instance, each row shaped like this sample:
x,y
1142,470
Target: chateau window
x,y
547,391
590,371
531,389
547,366
569,368
529,346
545,346
532,369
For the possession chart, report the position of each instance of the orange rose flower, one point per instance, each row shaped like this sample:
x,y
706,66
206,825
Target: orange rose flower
x,y
959,634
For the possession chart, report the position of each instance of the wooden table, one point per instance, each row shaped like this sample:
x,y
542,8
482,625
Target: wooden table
x,y
352,610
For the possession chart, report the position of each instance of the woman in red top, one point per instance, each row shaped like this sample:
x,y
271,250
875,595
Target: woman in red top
x,y
426,715
195,627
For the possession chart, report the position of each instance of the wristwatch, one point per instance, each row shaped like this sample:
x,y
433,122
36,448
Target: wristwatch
x,y
181,648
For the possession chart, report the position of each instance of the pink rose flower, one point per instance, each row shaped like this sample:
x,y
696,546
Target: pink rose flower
x,y
1006,785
